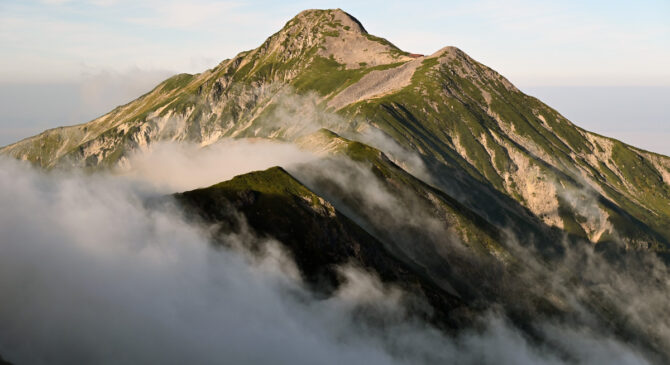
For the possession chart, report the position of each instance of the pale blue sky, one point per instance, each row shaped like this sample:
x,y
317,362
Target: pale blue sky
x,y
533,42
92,55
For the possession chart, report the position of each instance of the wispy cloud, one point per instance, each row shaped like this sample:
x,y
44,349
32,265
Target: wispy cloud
x,y
184,15
55,2
527,40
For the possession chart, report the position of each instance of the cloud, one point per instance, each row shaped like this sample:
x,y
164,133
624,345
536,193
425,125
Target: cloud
x,y
47,46
90,273
171,167
298,114
410,161
105,3
181,15
600,299
55,2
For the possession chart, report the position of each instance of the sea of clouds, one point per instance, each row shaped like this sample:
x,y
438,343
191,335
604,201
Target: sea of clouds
x,y
91,273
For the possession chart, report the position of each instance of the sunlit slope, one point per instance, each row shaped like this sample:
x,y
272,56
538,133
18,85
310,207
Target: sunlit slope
x,y
464,114
480,137
308,54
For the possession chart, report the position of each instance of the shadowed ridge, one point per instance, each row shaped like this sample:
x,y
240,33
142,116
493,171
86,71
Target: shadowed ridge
x,y
319,238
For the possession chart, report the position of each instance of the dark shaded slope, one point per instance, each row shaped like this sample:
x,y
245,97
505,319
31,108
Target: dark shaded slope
x,y
434,233
458,278
460,282
319,238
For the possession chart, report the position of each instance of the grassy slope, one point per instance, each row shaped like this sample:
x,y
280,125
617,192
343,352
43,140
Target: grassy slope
x,y
442,106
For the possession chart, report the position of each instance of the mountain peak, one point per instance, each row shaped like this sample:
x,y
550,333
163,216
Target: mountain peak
x,y
333,18
331,34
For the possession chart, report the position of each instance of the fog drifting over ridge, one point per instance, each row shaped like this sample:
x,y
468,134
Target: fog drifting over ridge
x,y
90,274
175,167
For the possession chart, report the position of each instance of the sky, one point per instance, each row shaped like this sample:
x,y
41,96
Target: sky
x,y
603,64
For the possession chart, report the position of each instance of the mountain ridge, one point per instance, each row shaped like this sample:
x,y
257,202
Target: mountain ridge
x,y
458,286
456,113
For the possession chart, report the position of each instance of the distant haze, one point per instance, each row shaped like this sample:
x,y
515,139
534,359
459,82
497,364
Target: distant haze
x,y
29,108
637,115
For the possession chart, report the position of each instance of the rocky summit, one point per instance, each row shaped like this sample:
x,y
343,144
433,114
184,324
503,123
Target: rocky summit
x,y
504,189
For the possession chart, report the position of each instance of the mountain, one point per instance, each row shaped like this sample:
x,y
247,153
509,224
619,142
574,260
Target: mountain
x,y
460,116
435,172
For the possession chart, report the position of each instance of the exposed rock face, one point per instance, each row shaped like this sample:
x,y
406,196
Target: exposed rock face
x,y
375,84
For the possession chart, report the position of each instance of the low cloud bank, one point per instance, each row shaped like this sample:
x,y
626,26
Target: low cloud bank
x,y
91,274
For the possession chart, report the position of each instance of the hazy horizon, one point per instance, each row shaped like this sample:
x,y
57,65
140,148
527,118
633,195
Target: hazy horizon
x,y
636,115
